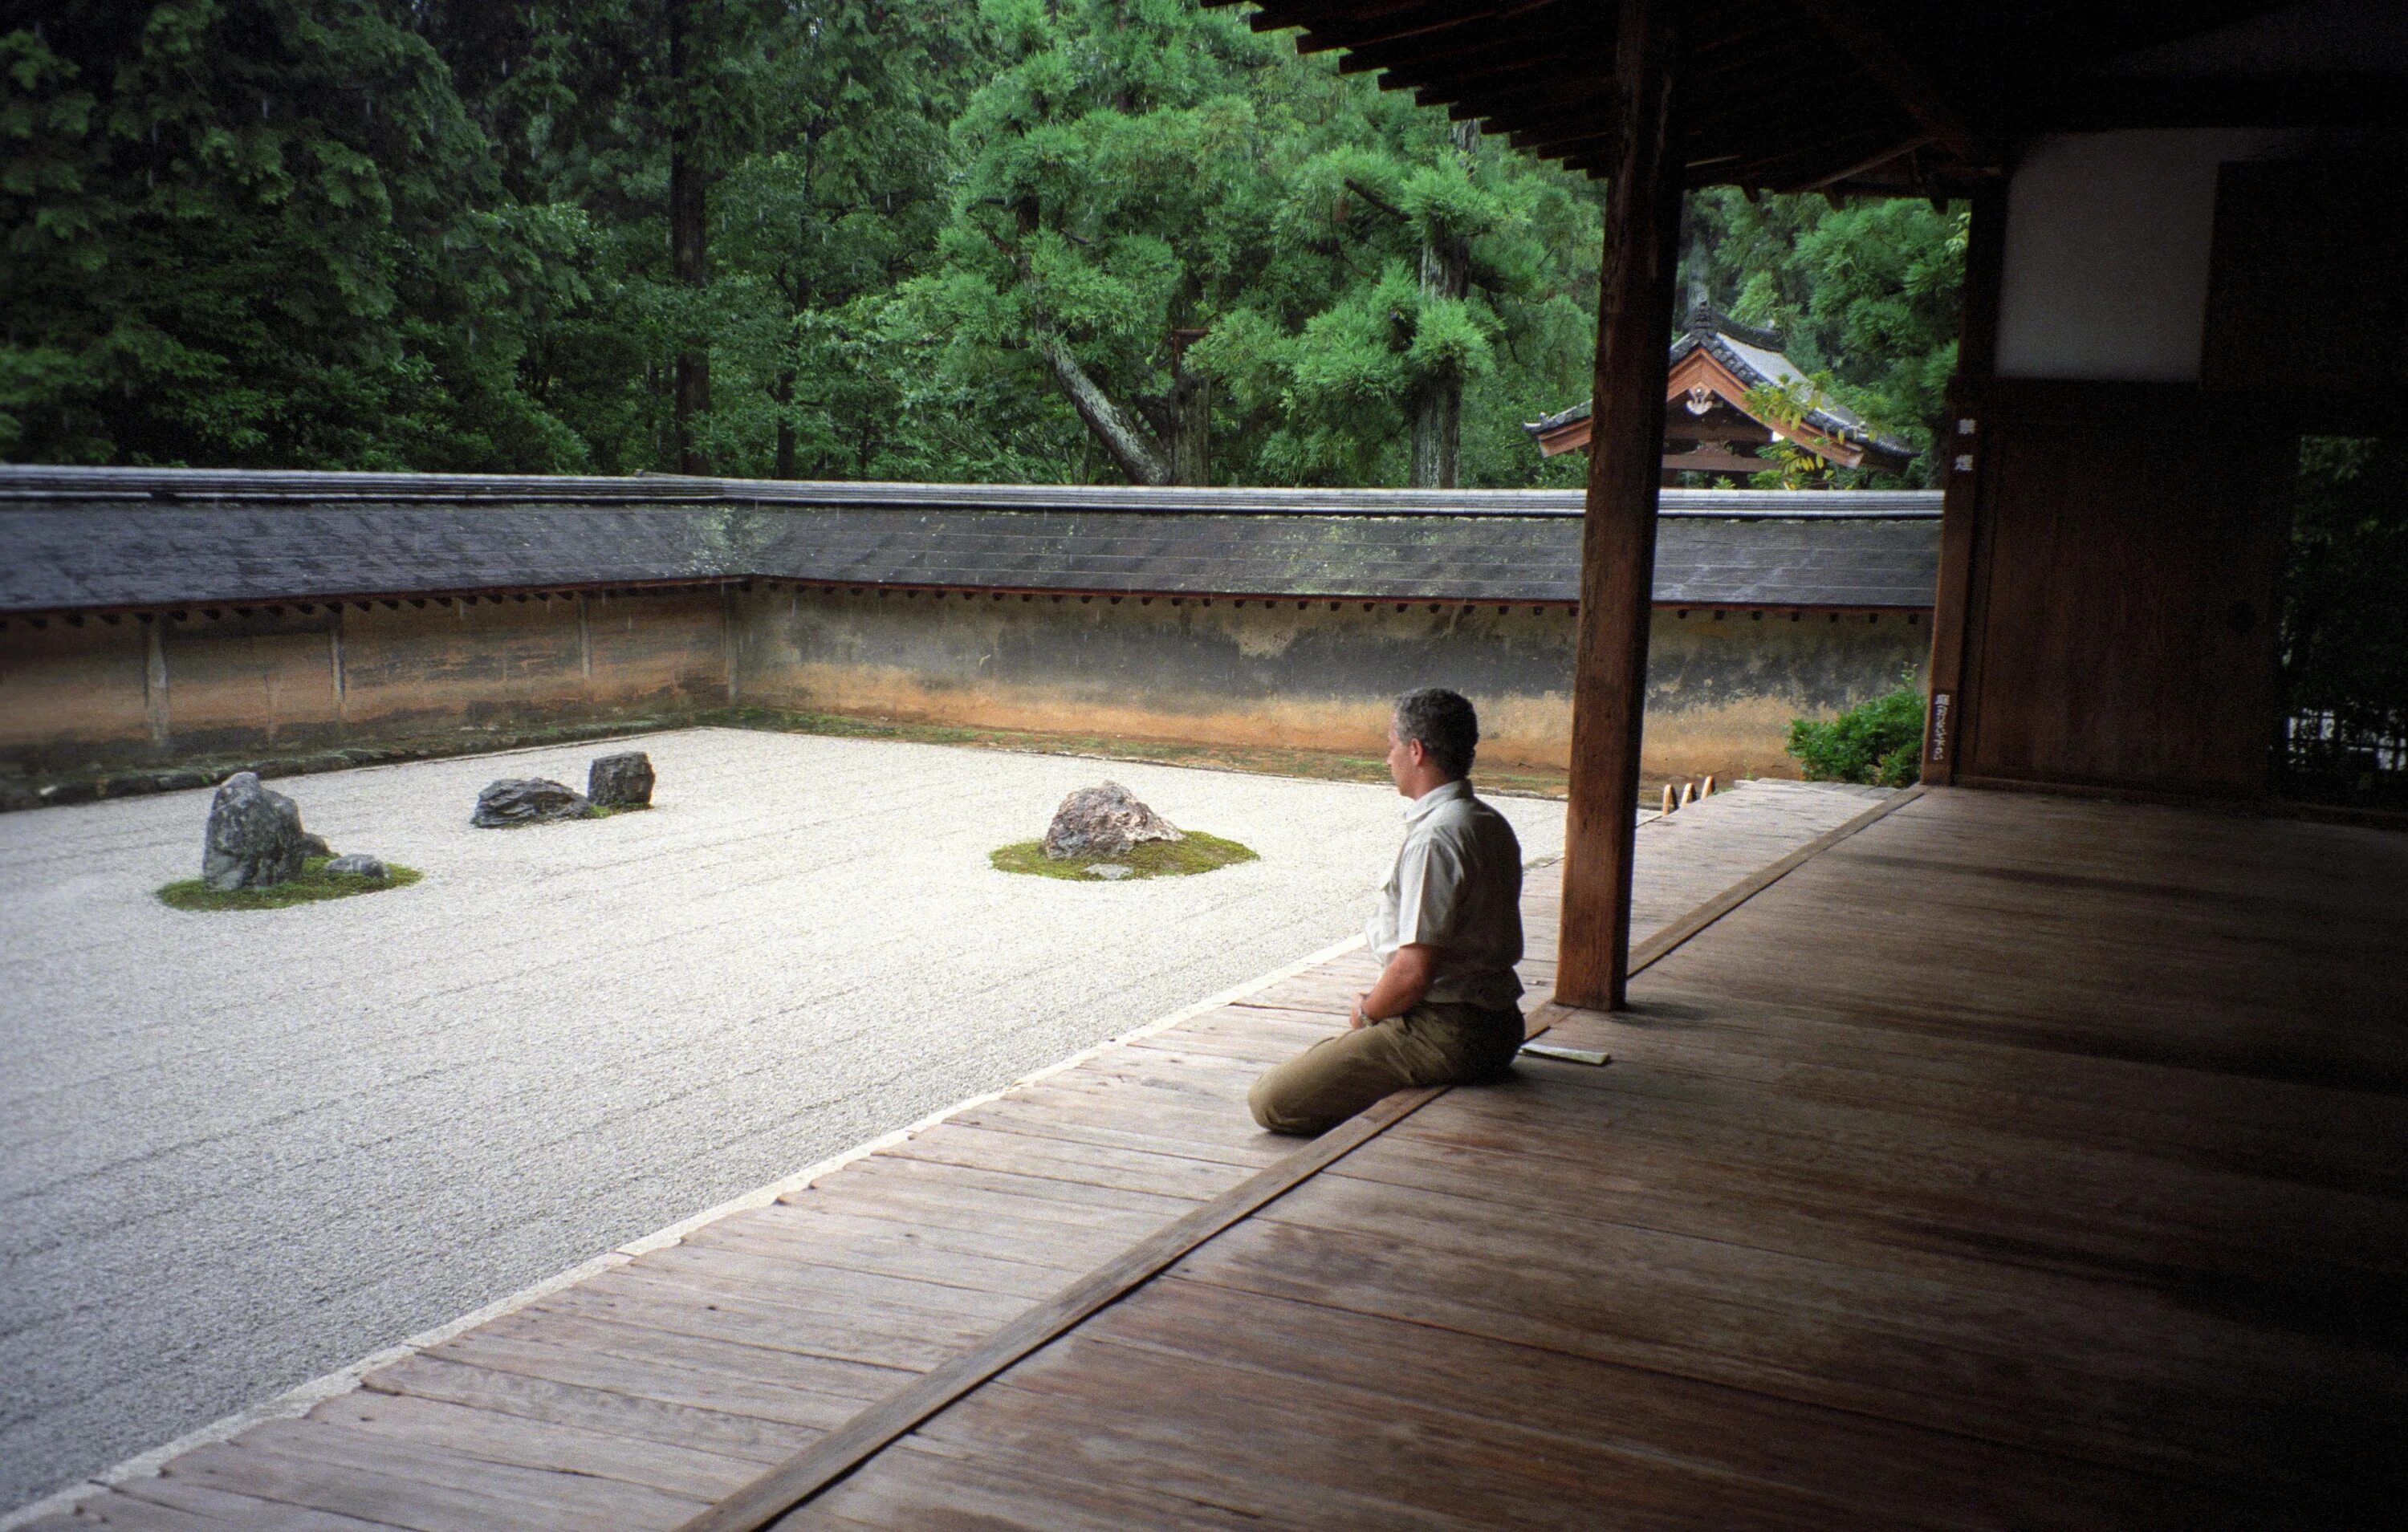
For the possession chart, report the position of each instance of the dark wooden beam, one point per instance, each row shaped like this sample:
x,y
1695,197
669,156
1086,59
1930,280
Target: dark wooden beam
x,y
1977,345
1642,230
1549,143
1407,26
1854,27
1803,161
1856,167
1439,60
2368,101
1481,66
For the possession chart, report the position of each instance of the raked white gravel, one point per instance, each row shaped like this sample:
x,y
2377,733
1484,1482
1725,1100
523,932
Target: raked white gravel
x,y
237,1150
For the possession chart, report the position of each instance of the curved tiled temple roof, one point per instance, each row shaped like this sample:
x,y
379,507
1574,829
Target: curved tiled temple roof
x,y
115,540
1756,358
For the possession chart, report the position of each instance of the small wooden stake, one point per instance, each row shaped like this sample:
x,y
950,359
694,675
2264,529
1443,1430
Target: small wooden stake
x,y
1707,791
1669,805
1688,793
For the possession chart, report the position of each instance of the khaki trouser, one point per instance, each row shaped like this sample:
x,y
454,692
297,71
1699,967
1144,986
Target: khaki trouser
x,y
1435,1043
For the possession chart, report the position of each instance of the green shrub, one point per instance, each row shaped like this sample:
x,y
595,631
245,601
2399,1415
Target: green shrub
x,y
1879,741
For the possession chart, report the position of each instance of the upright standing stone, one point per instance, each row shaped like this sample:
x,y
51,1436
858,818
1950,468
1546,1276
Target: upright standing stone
x,y
527,800
254,836
1106,821
620,782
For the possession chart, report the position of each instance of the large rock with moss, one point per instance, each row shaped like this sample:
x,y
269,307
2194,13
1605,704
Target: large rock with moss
x,y
527,800
255,837
620,782
1105,821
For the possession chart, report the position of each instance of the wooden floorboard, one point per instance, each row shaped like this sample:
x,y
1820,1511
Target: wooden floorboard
x,y
1837,1458
2019,1162
418,1487
181,1505
636,1397
595,1407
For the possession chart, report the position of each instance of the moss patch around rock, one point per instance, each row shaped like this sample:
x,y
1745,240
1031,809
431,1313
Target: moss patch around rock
x,y
314,884
1197,853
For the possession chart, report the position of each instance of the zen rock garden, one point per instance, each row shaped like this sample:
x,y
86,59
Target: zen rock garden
x,y
613,784
256,855
1106,834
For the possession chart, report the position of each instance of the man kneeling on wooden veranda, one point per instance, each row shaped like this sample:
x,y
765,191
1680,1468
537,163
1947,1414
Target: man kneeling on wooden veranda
x,y
1448,930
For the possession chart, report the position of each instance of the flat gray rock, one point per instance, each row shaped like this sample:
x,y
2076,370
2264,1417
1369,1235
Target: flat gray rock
x,y
527,800
1111,872
254,836
620,782
1106,821
359,865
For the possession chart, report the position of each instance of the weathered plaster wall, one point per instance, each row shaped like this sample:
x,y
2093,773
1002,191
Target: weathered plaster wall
x,y
1311,675
194,683
60,685
1722,688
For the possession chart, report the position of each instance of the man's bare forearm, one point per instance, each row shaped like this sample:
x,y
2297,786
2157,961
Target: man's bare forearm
x,y
1399,987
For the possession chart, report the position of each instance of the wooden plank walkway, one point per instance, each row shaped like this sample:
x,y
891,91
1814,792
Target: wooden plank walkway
x,y
639,1397
2018,1163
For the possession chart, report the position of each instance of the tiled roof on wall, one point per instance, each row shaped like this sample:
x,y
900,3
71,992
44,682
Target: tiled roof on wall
x,y
84,539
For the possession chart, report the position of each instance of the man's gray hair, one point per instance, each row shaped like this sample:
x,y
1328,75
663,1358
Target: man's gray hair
x,y
1445,724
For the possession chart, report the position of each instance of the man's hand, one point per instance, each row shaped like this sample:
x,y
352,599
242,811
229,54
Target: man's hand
x,y
1400,987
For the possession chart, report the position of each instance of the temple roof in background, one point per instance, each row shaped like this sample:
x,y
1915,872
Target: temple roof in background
x,y
1750,359
113,539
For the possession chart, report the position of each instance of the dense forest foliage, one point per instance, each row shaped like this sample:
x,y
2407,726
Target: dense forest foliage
x,y
1051,240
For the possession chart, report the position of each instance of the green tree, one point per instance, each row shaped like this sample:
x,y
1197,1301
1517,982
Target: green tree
x,y
1108,207
1225,259
1456,300
745,172
1866,296
842,200
260,232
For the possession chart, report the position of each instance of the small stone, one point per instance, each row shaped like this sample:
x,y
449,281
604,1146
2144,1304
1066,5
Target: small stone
x,y
1106,821
254,836
358,865
1110,871
527,800
620,782
315,845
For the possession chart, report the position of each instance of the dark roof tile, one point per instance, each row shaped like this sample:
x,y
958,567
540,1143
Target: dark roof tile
x,y
81,539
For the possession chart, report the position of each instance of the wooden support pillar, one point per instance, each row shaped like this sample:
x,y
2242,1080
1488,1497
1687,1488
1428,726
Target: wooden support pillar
x,y
1634,334
1977,344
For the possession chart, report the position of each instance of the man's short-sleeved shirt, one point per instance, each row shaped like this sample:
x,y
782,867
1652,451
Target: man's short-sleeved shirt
x,y
1457,887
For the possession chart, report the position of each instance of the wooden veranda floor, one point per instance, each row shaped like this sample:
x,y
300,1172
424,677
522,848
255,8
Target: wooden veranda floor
x,y
2019,1162
2013,1162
